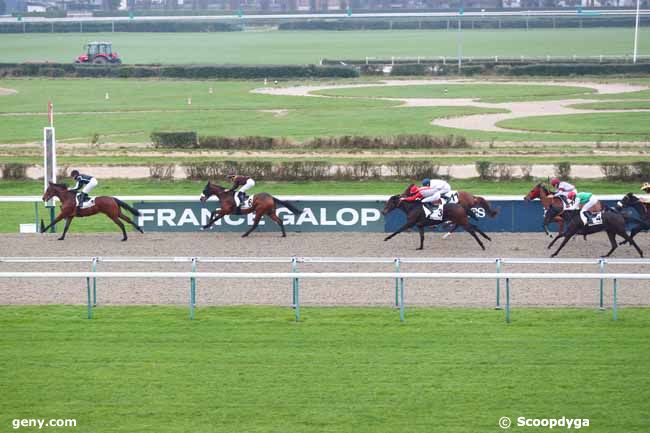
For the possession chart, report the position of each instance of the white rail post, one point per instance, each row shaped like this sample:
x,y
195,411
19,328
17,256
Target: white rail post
x,y
94,269
89,301
297,292
294,268
601,264
498,306
401,300
397,266
507,300
193,289
615,304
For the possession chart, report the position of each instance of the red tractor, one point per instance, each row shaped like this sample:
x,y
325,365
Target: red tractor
x,y
99,53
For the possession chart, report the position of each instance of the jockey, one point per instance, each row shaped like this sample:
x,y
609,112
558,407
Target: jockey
x,y
427,195
586,200
85,183
437,185
244,183
646,187
563,188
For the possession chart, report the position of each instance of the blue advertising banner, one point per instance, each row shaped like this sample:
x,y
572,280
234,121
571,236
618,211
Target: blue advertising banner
x,y
330,216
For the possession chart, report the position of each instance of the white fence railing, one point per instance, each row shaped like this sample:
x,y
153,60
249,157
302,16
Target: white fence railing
x,y
295,276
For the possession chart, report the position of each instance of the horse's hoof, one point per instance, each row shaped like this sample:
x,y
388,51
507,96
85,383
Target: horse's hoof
x,y
124,240
284,236
419,249
60,239
244,235
385,239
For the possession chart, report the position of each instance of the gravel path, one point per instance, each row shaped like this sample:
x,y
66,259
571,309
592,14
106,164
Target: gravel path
x,y
4,91
478,122
313,292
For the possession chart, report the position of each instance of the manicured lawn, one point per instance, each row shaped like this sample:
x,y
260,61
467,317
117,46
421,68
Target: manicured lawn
x,y
150,369
612,124
627,105
13,214
278,47
482,92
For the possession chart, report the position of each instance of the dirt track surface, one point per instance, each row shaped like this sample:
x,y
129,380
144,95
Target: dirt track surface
x,y
313,292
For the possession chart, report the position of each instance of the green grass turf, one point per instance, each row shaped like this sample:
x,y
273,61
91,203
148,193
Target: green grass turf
x,y
252,369
138,107
482,92
615,105
277,47
14,214
614,124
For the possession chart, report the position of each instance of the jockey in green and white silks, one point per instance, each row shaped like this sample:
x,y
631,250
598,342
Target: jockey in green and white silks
x,y
586,201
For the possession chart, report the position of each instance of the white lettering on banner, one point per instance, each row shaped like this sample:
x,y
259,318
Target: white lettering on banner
x,y
146,215
205,216
323,218
233,220
343,211
188,217
287,217
479,212
250,219
369,215
307,215
166,216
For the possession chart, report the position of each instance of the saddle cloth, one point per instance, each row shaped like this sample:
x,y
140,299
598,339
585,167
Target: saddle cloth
x,y
569,204
88,203
435,215
596,219
248,202
450,197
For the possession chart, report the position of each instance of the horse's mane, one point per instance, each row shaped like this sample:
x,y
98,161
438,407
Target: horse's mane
x,y
60,185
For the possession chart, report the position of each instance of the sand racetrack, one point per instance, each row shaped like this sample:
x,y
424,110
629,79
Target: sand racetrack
x,y
313,292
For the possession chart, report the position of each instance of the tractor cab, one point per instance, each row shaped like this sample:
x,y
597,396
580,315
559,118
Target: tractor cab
x,y
99,53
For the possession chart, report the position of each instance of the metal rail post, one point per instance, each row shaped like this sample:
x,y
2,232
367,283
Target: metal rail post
x,y
194,262
397,266
294,281
601,264
401,300
507,300
94,269
36,216
498,307
297,298
90,307
615,304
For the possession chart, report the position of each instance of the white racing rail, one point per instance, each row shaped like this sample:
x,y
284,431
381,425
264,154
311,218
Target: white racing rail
x,y
295,276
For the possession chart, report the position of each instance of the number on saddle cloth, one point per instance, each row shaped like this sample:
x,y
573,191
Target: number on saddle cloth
x,y
435,214
450,197
596,219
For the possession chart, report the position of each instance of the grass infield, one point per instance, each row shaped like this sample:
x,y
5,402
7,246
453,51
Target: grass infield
x,y
253,369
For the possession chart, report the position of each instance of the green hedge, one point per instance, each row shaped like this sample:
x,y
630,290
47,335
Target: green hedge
x,y
557,69
193,72
185,139
118,26
617,171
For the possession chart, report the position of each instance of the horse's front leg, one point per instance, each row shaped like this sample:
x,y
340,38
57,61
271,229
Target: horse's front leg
x,y
421,230
68,220
406,226
214,217
58,218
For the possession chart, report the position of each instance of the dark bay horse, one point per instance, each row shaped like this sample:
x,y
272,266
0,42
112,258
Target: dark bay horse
x,y
643,222
109,206
613,224
468,201
415,217
263,204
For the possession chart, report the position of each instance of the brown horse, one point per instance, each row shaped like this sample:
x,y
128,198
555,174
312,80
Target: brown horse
x,y
109,206
263,204
415,216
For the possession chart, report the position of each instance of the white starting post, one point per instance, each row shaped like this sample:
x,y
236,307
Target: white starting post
x,y
49,159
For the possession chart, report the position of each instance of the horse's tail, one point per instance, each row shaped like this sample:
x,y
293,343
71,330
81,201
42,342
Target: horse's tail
x,y
126,206
486,205
288,205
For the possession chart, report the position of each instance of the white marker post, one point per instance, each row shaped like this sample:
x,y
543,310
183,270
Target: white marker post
x,y
49,158
636,31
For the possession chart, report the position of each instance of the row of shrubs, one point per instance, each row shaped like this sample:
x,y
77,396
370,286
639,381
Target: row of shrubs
x,y
175,71
118,26
467,22
191,140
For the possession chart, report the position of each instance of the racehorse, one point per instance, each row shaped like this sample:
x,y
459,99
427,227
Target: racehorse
x,y
613,223
548,199
110,206
632,201
263,204
415,216
468,201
